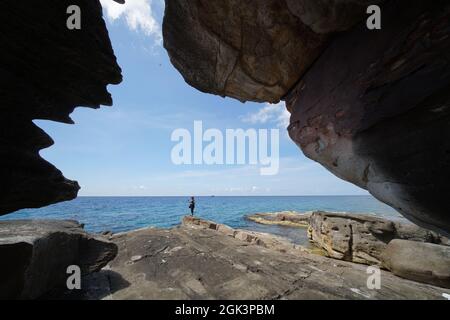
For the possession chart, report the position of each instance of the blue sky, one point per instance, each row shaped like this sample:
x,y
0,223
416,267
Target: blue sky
x,y
125,149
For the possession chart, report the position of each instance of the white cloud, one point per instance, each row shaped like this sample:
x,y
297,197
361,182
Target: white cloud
x,y
270,113
141,187
138,15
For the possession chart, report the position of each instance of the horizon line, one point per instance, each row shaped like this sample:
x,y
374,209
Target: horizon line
x,y
212,195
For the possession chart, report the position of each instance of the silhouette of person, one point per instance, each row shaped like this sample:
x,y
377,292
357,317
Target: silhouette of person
x,y
192,205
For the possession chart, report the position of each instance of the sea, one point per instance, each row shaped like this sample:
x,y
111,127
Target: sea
x,y
118,214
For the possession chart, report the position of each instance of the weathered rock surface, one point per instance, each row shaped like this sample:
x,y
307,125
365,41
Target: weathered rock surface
x,y
284,218
265,240
423,262
47,70
196,261
369,105
35,255
374,107
361,238
324,16
251,50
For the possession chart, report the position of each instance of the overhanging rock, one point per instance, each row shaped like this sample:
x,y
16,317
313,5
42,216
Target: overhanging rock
x,y
372,106
46,71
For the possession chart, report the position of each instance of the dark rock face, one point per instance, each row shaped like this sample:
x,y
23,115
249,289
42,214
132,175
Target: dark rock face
x,y
46,71
423,262
35,255
373,110
325,16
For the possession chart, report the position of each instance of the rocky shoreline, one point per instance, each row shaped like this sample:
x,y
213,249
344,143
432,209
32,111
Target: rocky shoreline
x,y
372,240
205,260
284,218
202,259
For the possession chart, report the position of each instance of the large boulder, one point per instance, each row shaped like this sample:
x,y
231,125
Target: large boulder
x,y
423,262
251,50
361,238
35,255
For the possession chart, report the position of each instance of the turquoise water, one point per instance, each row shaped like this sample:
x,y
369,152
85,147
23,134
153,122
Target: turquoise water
x,y
126,213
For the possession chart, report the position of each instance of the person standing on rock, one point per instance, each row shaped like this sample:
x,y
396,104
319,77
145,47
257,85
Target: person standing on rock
x,y
192,205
